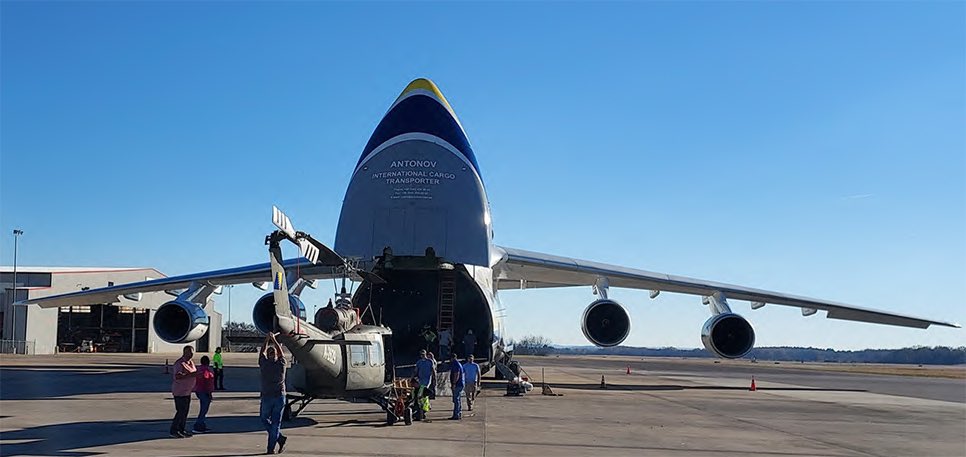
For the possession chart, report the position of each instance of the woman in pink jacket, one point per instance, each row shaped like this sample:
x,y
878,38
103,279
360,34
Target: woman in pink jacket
x,y
204,386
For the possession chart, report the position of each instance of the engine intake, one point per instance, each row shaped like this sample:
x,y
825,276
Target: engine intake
x,y
728,335
180,321
605,323
263,314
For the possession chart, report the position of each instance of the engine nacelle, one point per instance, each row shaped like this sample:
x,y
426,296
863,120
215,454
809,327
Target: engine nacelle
x,y
605,323
728,335
263,314
180,321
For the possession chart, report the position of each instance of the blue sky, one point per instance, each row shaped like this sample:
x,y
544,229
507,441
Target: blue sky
x,y
811,148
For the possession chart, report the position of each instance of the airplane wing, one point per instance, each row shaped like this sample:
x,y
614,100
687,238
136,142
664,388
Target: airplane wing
x,y
248,274
317,261
519,269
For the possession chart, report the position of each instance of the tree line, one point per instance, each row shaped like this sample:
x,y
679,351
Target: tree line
x,y
923,355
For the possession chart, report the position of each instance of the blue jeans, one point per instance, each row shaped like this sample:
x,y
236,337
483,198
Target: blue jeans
x,y
205,399
270,413
457,402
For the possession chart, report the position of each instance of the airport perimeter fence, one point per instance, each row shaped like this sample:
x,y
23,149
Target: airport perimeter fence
x,y
17,347
244,347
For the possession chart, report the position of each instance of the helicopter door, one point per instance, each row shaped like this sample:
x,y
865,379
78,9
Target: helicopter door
x,y
365,365
390,365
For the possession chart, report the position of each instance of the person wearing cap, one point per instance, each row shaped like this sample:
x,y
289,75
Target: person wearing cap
x,y
471,372
457,380
424,377
272,368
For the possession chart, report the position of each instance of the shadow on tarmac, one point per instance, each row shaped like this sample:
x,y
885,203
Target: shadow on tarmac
x,y
659,387
22,383
63,439
358,423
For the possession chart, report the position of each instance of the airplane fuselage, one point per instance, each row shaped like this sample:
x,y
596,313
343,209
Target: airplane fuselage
x,y
416,201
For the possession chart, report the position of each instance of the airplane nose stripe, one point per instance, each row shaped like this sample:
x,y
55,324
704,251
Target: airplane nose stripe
x,y
420,114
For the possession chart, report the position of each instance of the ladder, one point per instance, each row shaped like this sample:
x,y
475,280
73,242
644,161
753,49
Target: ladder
x,y
447,300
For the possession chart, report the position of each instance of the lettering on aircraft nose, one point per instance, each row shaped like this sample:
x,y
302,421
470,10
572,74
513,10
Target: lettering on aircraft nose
x,y
413,164
412,172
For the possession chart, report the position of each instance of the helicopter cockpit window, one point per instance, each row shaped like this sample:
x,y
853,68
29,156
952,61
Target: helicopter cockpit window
x,y
358,355
376,356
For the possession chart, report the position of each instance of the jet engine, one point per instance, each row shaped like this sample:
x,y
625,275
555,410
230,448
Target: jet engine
x,y
605,323
180,321
728,335
263,314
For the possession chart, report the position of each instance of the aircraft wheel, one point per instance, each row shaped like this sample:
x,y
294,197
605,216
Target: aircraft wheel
x,y
408,416
390,418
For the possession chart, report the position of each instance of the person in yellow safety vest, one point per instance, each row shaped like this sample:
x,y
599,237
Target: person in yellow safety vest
x,y
219,367
430,336
424,376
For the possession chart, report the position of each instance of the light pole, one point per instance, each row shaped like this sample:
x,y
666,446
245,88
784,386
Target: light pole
x,y
230,286
13,309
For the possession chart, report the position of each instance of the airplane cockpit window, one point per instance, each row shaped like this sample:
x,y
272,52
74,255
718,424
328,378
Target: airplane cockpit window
x,y
358,355
376,357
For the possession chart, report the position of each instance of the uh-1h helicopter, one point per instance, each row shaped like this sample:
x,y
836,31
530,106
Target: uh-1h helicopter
x,y
338,357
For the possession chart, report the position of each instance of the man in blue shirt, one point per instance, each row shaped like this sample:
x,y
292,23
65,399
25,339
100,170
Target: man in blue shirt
x,y
424,376
471,372
457,380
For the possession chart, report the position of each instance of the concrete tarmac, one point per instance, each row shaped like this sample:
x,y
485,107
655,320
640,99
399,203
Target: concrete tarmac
x,y
118,404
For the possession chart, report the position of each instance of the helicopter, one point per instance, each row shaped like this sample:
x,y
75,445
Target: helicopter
x,y
337,356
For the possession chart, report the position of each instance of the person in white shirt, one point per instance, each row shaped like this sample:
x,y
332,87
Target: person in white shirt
x,y
445,343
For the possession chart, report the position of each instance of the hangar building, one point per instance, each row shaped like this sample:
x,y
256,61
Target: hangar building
x,y
126,326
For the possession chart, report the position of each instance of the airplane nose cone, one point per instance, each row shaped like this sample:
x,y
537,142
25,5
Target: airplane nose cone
x,y
427,87
421,108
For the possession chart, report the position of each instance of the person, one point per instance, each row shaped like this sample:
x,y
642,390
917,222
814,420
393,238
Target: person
x,y
432,382
469,342
271,364
457,381
204,386
471,371
181,385
424,377
445,343
219,366
429,336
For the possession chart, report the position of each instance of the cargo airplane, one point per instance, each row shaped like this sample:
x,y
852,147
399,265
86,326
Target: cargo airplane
x,y
415,234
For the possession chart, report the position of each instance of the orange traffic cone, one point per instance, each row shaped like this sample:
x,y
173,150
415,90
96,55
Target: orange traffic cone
x,y
753,387
602,384
628,369
166,366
